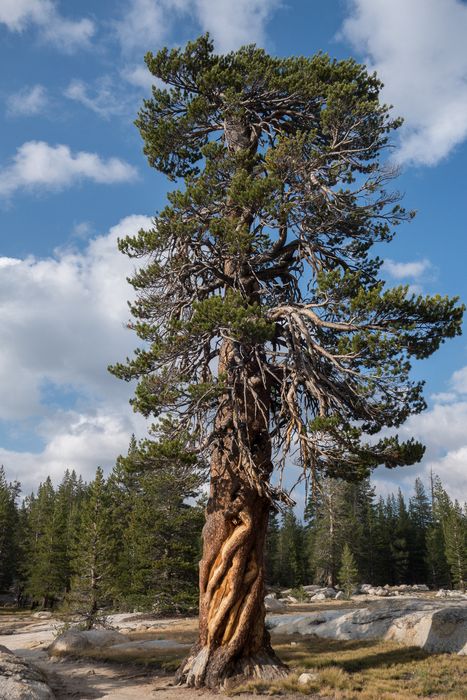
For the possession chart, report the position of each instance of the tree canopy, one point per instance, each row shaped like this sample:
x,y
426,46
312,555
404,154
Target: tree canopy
x,y
268,244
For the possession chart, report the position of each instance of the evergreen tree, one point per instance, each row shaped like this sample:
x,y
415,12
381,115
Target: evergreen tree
x,y
362,535
291,567
382,539
348,573
261,308
440,574
399,546
271,552
420,514
66,523
328,532
161,526
455,534
44,577
9,540
90,583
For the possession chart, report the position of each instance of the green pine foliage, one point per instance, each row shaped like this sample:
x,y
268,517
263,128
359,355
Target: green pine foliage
x,y
290,557
129,541
455,535
90,562
10,541
421,519
269,242
155,490
439,569
44,547
348,572
133,540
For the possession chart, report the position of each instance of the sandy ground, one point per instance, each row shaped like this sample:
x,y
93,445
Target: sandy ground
x,y
86,680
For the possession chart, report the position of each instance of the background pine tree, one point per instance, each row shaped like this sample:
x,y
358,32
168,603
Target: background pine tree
x,y
91,578
348,572
10,541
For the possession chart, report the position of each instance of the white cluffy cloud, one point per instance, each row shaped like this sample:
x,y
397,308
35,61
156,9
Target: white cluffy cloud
x,y
105,99
407,270
62,321
67,35
39,166
442,429
418,50
28,101
231,24
139,76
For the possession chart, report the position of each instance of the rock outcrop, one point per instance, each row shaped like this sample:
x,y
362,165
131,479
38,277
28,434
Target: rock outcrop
x,y
431,625
78,641
21,680
272,604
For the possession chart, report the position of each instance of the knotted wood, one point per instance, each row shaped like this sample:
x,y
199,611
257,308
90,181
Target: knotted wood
x,y
233,641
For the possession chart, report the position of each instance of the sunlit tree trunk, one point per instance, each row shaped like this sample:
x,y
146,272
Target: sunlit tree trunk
x,y
233,640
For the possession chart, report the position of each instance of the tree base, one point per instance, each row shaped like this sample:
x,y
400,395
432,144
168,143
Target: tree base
x,y
213,668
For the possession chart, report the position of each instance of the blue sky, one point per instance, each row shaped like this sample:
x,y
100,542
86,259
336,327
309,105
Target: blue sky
x,y
73,179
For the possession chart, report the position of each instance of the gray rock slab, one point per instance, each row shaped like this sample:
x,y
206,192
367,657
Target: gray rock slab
x,y
21,680
77,641
427,624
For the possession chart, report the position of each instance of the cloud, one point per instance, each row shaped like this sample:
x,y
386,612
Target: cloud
x,y
233,24
62,321
106,100
80,441
39,166
66,35
442,430
458,381
139,76
418,50
412,270
82,229
148,23
28,101
452,470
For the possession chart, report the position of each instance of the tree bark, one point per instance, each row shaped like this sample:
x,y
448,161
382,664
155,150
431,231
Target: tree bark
x,y
233,641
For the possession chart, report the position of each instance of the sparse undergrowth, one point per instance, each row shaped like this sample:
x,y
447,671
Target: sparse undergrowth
x,y
348,670
166,661
344,670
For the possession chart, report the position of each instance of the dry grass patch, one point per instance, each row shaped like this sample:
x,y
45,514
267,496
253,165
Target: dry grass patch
x,y
181,631
163,660
365,670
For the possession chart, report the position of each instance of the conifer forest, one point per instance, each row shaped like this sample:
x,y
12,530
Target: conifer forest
x,y
133,540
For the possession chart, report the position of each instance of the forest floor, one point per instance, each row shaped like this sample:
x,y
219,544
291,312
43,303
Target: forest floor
x,y
341,670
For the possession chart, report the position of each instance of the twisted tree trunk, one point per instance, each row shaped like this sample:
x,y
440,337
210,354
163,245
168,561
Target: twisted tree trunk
x,y
233,641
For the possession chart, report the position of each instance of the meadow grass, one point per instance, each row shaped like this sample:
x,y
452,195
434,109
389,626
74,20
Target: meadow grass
x,y
343,670
364,670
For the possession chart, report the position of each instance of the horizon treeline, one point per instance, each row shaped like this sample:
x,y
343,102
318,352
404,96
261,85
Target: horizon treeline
x,y
133,540
392,540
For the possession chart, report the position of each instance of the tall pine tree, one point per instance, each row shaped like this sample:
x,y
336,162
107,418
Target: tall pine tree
x,y
10,544
265,322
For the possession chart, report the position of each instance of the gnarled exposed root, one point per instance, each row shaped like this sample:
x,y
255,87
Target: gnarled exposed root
x,y
233,645
212,668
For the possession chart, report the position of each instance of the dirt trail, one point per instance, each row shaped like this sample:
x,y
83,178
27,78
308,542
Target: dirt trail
x,y
87,679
